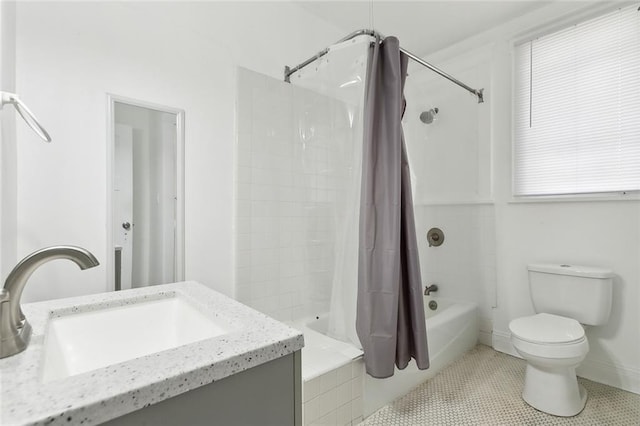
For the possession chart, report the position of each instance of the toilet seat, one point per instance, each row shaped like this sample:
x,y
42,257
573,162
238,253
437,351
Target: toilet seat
x,y
547,329
549,336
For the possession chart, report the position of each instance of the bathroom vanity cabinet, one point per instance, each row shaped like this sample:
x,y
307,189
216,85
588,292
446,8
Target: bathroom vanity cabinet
x,y
174,354
268,394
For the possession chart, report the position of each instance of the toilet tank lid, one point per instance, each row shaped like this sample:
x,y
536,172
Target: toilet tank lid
x,y
574,270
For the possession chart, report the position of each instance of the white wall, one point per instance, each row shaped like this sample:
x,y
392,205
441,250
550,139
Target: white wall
x,y
8,170
184,55
605,234
598,233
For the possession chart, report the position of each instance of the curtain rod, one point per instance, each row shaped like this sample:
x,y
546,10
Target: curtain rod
x,y
479,93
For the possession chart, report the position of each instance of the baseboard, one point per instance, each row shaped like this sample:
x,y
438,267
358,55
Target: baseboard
x,y
486,331
485,338
501,342
618,376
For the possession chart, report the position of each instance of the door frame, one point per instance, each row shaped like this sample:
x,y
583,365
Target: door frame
x,y
179,244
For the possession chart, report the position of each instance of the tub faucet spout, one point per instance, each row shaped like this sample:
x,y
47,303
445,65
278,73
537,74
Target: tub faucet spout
x,y
430,289
15,331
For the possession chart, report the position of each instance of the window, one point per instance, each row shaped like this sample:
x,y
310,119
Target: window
x,y
577,108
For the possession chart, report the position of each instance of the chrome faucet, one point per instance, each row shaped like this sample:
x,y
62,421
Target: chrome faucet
x,y
430,289
15,331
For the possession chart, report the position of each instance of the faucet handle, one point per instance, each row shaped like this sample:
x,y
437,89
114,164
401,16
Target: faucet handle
x,y
6,328
12,340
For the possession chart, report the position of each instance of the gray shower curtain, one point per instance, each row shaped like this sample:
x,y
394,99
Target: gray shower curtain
x,y
390,310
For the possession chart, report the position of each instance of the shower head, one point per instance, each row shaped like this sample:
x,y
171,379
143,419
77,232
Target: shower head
x,y
427,117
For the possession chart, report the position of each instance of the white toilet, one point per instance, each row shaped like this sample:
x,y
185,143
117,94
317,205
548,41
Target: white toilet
x,y
553,341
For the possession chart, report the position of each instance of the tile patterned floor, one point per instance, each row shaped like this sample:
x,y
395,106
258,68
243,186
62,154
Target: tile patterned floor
x,y
483,388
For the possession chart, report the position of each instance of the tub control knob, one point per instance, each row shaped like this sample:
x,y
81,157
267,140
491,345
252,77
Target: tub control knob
x,y
435,237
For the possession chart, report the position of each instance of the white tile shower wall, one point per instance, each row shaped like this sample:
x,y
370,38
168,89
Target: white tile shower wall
x,y
334,398
464,266
449,157
288,173
451,176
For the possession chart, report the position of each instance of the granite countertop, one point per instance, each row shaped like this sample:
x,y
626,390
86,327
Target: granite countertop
x,y
106,393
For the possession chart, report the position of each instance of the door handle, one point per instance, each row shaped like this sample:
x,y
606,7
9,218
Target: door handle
x,y
126,225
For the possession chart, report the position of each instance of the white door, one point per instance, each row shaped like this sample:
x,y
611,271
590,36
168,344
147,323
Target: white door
x,y
123,201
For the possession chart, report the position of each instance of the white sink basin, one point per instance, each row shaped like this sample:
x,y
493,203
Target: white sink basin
x,y
83,342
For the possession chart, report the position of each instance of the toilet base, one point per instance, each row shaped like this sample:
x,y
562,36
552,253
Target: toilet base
x,y
554,390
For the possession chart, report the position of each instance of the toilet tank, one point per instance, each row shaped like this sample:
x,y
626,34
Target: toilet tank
x,y
579,292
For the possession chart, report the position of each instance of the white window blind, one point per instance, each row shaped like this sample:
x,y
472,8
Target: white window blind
x,y
577,108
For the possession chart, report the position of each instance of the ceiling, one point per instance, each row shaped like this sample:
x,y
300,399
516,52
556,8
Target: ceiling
x,y
421,26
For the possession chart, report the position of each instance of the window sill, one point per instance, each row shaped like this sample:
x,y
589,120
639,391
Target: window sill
x,y
575,198
452,202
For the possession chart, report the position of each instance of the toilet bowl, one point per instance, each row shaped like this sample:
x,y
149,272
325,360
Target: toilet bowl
x,y
553,342
553,347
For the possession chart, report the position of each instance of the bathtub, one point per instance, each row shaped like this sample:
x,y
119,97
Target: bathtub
x,y
335,389
332,376
452,329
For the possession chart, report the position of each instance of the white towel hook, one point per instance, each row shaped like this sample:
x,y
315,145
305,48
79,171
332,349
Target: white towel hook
x,y
25,113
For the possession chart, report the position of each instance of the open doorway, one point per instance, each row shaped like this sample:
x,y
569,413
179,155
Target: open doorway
x,y
146,194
